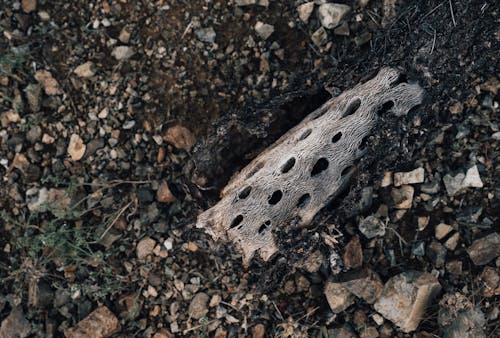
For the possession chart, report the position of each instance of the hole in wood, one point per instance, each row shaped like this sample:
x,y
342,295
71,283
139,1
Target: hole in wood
x,y
276,197
264,226
336,137
320,166
288,165
305,134
303,200
352,107
385,108
245,192
236,221
363,143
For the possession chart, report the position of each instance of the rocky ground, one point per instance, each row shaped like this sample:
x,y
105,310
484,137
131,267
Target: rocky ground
x,y
106,105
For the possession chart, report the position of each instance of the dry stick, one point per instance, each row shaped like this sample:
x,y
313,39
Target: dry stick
x,y
433,42
452,15
122,210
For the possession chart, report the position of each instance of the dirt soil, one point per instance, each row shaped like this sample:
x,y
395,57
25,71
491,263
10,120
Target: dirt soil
x,y
122,120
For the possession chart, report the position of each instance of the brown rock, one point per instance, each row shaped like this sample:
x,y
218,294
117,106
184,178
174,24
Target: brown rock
x,y
491,281
48,83
485,249
28,6
100,323
353,253
180,137
164,195
198,307
85,70
405,298
338,297
145,247
442,230
163,333
15,325
369,332
76,147
365,284
403,197
258,331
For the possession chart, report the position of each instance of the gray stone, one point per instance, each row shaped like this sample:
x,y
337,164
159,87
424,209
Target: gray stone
x,y
305,11
410,177
319,37
485,249
330,14
405,298
454,184
264,30
338,297
199,305
205,34
372,227
122,53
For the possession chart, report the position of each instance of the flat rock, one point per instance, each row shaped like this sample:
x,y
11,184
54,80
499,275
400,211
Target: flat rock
x,y
122,53
15,325
264,30
305,11
198,307
205,34
330,14
410,177
365,284
76,147
405,298
49,84
455,184
164,195
338,297
85,70
371,227
485,249
442,230
353,253
100,323
145,247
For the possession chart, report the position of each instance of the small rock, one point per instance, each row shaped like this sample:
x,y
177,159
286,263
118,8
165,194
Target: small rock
x,y
436,253
180,137
49,84
15,325
490,278
405,298
100,323
85,70
34,134
369,332
459,318
386,180
472,178
442,230
76,147
365,284
452,242
163,333
145,247
372,227
430,188
258,331
319,37
410,177
485,249
338,297
198,307
124,35
330,14
28,6
122,52
342,29
341,332
33,94
305,11
403,197
205,34
215,300
164,195
263,30
353,253
378,319
454,184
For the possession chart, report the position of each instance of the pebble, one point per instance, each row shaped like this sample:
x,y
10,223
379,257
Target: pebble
x,y
198,307
28,6
76,147
264,30
330,14
353,253
180,137
49,84
386,180
442,230
163,194
122,53
430,188
338,297
85,70
491,281
485,249
403,197
365,284
454,184
436,253
34,134
405,298
452,242
205,34
258,331
145,247
305,10
372,227
411,177
100,323
319,37
124,35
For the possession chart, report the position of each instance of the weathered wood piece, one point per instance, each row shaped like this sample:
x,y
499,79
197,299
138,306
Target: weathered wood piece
x,y
294,178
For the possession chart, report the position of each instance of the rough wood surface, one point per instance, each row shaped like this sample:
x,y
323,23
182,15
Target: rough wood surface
x,y
289,182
